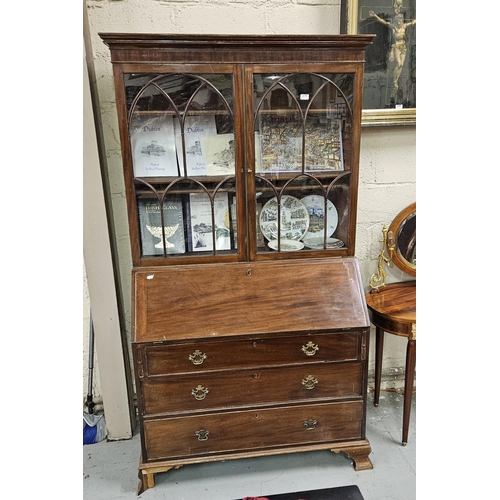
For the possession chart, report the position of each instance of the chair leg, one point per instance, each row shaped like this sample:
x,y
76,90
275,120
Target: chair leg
x,y
409,377
379,350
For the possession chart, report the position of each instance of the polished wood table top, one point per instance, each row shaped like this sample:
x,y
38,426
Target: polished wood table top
x,y
396,303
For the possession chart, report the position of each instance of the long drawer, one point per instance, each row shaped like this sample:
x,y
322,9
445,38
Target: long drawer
x,y
239,431
218,354
230,389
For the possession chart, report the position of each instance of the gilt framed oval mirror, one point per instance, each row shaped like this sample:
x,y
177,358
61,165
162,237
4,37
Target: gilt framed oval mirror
x,y
402,235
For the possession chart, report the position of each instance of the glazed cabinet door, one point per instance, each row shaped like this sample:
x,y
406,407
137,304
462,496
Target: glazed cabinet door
x,y
221,159
182,149
304,134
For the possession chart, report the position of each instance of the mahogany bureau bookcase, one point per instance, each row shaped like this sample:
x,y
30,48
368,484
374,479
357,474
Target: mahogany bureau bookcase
x,y
250,330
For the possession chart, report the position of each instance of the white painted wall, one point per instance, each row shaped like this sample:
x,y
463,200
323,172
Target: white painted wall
x,y
100,280
388,156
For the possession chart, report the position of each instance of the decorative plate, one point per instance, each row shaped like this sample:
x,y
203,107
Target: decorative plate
x,y
287,245
315,205
294,219
317,243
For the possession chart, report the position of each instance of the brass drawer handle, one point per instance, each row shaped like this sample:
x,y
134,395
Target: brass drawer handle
x,y
202,435
200,393
197,357
310,349
310,424
310,382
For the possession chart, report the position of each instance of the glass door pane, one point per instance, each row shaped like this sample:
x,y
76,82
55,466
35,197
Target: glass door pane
x,y
302,131
183,156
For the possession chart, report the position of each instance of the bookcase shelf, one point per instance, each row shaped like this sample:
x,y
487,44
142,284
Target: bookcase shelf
x,y
192,112
242,218
268,177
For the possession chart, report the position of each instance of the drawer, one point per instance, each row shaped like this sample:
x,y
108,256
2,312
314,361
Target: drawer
x,y
222,355
229,389
239,431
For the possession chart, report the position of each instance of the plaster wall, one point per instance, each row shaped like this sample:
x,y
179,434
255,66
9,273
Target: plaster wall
x,y
388,155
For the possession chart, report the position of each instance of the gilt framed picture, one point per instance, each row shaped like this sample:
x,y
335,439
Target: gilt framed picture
x,y
390,81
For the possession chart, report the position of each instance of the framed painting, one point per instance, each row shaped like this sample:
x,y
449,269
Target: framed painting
x,y
390,85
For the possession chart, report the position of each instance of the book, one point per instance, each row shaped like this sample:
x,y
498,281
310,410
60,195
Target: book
x,y
151,227
201,222
258,154
234,223
153,146
220,154
281,144
260,241
323,146
187,217
195,127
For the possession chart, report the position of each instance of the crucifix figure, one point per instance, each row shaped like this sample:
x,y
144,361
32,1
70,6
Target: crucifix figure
x,y
398,49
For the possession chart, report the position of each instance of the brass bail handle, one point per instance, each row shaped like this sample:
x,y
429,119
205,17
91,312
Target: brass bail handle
x,y
202,435
310,382
197,357
310,424
310,349
200,393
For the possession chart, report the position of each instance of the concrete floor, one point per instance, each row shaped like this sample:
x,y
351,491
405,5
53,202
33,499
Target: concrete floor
x,y
110,468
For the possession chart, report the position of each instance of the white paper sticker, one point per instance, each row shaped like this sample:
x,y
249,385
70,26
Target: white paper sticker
x,y
304,97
